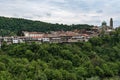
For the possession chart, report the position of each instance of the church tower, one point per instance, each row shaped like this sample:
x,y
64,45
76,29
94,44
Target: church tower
x,y
111,23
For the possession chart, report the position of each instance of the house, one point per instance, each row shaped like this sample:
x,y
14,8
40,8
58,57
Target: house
x,y
45,40
15,41
33,34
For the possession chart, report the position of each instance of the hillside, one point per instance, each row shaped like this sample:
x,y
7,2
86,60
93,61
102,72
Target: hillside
x,y
14,26
97,59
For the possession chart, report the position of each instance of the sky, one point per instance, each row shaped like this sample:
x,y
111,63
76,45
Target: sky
x,y
91,12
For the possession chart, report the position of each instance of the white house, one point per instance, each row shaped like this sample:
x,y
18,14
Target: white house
x,y
33,34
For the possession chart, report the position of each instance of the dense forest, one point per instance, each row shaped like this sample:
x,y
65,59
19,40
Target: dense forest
x,y
14,26
97,59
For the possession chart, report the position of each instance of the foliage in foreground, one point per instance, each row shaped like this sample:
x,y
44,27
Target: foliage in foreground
x,y
98,59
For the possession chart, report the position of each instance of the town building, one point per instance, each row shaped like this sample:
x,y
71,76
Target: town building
x,y
33,34
111,23
106,29
60,36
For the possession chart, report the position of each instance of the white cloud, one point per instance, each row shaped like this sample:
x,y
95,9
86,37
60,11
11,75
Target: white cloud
x,y
63,11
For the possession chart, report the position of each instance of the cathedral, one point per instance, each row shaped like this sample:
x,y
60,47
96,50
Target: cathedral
x,y
105,28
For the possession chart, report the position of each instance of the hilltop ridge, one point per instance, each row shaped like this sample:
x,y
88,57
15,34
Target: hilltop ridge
x,y
13,26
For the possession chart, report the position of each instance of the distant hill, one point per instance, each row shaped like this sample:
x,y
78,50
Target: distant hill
x,y
14,26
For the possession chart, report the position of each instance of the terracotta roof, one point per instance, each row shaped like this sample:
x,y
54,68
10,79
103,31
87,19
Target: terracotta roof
x,y
85,34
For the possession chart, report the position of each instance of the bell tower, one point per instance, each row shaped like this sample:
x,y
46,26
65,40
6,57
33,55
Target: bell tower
x,y
111,23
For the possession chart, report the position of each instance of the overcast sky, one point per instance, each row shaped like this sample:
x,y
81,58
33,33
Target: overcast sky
x,y
63,11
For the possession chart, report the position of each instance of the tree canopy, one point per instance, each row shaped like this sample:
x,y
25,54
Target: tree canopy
x,y
74,61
